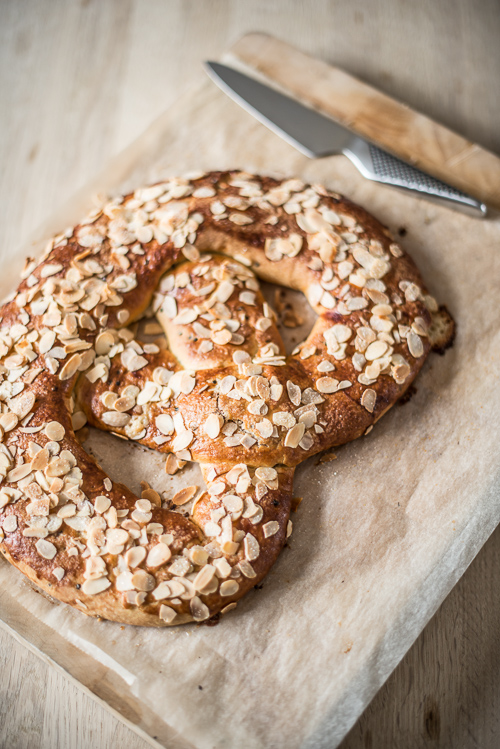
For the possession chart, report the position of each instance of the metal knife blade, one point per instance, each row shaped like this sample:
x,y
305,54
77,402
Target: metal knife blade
x,y
316,135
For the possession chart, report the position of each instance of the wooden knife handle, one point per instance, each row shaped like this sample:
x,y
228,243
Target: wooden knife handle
x,y
393,126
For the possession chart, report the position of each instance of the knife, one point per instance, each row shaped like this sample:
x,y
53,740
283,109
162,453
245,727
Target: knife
x,y
316,135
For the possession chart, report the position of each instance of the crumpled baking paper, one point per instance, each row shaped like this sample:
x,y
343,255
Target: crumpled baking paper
x,y
383,532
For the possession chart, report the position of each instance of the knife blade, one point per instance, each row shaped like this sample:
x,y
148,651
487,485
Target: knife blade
x,y
316,135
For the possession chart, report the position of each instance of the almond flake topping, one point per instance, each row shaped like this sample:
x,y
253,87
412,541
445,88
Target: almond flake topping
x,y
232,502
183,440
284,419
269,476
246,568
19,473
184,495
204,577
375,350
294,436
251,546
167,614
213,425
270,529
169,307
54,431
115,419
240,219
141,580
71,367
135,556
415,345
294,393
325,366
222,337
94,587
50,270
132,361
102,504
265,428
199,610
224,291
10,524
22,405
164,424
327,385
46,549
229,588
247,297
227,384
368,400
159,554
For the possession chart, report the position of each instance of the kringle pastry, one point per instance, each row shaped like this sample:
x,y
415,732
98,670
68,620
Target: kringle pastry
x,y
224,394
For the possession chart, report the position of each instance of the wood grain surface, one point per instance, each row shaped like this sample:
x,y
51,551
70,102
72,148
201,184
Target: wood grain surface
x,y
78,81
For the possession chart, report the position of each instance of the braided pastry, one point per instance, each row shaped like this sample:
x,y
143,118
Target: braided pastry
x,y
224,394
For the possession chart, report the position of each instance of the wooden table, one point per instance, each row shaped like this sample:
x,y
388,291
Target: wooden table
x,y
78,81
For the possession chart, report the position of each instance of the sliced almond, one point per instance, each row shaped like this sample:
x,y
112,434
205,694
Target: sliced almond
x,y
229,588
115,419
142,580
376,349
152,496
251,546
184,495
294,392
270,529
71,367
213,425
171,465
102,504
199,610
159,554
135,556
167,614
294,436
22,405
415,345
78,420
124,404
204,577
183,440
327,385
46,549
93,587
368,400
164,424
265,428
55,431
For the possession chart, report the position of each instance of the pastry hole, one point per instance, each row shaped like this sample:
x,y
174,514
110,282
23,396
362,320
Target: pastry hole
x,y
129,463
295,315
149,331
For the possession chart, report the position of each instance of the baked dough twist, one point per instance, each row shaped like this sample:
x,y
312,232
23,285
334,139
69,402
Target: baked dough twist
x,y
224,394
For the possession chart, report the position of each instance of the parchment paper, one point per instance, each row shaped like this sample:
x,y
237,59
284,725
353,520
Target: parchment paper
x,y
383,532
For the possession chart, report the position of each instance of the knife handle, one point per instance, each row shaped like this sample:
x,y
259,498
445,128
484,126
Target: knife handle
x,y
380,166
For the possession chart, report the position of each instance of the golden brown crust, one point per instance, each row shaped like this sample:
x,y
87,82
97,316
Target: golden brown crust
x,y
224,394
